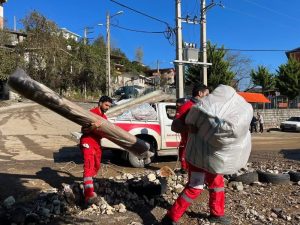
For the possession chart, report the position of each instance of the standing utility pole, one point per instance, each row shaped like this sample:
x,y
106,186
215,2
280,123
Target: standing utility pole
x,y
15,23
108,71
203,42
1,14
85,38
86,32
179,65
108,92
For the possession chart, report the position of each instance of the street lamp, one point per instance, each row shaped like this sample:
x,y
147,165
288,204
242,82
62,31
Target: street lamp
x,y
108,71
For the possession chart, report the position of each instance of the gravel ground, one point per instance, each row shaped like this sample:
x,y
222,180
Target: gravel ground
x,y
40,197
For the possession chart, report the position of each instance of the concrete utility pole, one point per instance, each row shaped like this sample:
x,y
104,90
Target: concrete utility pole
x,y
1,14
108,70
203,41
108,92
15,23
85,36
85,33
179,65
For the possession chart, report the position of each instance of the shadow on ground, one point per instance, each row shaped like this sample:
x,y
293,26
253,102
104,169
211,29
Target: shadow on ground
x,y
73,154
293,154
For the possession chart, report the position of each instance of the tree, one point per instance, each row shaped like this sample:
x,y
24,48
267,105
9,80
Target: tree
x,y
262,77
9,58
46,49
139,54
239,65
288,79
218,73
90,67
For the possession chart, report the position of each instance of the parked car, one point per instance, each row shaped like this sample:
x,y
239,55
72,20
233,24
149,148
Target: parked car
x,y
292,124
156,132
129,91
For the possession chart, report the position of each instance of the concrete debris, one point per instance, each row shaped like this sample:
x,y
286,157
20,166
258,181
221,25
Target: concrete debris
x,y
8,202
128,192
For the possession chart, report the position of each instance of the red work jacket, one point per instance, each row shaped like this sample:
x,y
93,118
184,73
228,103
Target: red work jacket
x,y
181,114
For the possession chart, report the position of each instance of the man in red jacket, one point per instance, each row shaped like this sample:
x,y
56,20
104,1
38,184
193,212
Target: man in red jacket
x,y
91,150
199,91
197,177
183,167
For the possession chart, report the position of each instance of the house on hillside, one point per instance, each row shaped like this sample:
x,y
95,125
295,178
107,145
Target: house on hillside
x,y
294,54
161,77
14,38
67,34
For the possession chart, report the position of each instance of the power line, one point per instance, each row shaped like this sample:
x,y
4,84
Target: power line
x,y
139,12
254,50
169,33
258,18
138,31
271,10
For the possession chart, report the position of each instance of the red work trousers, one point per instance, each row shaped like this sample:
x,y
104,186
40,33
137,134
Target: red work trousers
x,y
197,178
181,154
91,151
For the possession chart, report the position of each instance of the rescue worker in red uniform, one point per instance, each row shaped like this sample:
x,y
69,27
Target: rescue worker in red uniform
x,y
181,147
197,177
183,107
91,150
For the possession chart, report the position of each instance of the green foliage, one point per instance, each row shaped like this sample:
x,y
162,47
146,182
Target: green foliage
x,y
139,54
288,79
63,65
262,77
218,73
9,58
46,50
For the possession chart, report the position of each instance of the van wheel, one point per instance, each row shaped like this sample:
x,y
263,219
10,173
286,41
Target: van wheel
x,y
139,163
135,161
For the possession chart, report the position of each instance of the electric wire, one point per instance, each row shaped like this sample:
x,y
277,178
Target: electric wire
x,y
258,18
139,12
138,31
271,10
254,50
169,33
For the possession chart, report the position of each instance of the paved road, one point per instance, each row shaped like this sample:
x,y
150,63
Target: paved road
x,y
37,151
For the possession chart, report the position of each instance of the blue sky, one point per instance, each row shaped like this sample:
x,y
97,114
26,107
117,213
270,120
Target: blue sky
x,y
242,24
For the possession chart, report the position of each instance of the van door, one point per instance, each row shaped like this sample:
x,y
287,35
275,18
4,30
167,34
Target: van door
x,y
170,139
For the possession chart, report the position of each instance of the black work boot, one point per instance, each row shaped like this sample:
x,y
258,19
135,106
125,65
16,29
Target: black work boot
x,y
219,219
167,221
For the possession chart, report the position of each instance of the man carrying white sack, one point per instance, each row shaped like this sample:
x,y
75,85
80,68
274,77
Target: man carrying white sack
x,y
220,144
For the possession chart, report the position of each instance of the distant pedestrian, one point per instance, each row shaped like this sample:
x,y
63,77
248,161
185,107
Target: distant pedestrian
x,y
261,122
253,125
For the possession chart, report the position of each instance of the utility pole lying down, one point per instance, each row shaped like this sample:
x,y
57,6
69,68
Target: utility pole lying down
x,y
43,95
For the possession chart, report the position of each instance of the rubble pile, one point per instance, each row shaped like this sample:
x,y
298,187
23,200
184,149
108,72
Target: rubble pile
x,y
246,203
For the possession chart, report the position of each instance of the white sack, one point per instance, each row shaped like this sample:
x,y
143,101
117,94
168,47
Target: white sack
x,y
140,112
223,143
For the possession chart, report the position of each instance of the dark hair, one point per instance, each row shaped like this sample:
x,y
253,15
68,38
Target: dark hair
x,y
181,100
197,88
105,98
